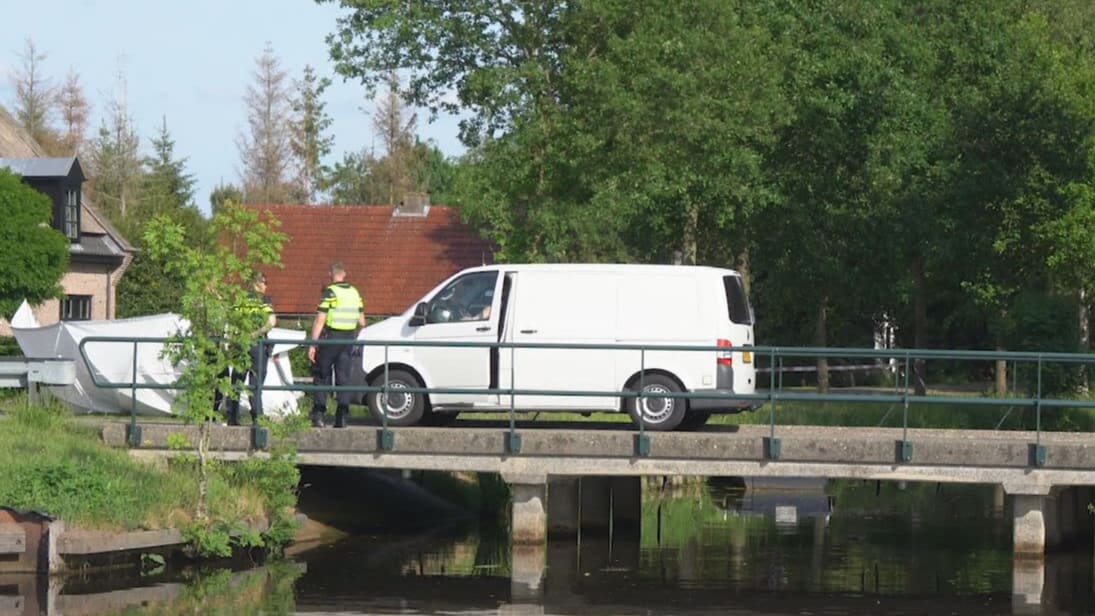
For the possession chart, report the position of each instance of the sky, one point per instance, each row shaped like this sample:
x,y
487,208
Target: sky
x,y
190,62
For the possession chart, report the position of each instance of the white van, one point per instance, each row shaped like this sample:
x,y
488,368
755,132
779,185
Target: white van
x,y
571,304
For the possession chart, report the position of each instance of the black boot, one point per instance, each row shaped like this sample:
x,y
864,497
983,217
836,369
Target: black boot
x,y
317,419
340,416
233,414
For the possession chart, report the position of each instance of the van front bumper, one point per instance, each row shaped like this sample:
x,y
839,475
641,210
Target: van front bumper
x,y
720,401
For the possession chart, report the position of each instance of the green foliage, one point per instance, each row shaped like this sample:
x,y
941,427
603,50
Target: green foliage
x,y
215,287
33,255
943,148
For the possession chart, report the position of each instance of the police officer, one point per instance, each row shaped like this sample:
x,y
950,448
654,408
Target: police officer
x,y
259,311
339,315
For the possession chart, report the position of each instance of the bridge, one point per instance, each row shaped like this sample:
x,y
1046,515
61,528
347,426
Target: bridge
x,y
1049,494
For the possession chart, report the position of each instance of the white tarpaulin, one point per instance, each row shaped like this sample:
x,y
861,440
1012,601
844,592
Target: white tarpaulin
x,y
112,362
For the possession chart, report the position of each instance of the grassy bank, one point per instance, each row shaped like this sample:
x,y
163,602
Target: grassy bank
x,y
57,465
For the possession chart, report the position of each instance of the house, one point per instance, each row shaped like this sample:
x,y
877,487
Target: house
x,y
393,255
98,254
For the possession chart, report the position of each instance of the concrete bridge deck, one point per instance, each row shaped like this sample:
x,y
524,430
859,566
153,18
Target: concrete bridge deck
x,y
1047,475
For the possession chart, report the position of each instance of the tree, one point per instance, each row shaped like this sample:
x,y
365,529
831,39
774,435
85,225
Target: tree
x,y
34,96
222,194
265,148
116,161
308,138
217,336
394,123
167,191
352,181
33,255
74,110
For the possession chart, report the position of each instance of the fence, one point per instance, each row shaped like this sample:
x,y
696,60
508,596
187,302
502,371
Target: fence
x,y
774,357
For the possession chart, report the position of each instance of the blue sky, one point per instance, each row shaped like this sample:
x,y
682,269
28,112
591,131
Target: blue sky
x,y
191,61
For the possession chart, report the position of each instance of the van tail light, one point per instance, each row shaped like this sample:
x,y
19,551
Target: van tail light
x,y
724,358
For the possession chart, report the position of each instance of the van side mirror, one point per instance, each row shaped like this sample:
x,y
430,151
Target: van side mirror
x,y
419,317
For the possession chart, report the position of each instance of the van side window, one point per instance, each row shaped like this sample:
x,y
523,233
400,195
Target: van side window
x,y
736,301
468,298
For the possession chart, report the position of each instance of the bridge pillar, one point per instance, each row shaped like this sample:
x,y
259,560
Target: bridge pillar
x,y
563,499
1028,525
528,515
528,535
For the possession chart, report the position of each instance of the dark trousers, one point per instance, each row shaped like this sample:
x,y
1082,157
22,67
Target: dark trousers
x,y
336,359
257,374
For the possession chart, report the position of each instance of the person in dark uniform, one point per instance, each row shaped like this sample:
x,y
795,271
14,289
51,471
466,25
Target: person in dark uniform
x,y
340,314
260,310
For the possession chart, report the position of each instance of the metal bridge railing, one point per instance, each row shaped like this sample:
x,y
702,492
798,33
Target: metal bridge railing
x,y
900,362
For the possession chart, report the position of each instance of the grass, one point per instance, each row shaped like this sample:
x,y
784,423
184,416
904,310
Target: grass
x,y
60,466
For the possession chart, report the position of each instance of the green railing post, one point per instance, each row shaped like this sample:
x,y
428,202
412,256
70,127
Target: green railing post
x,y
386,438
642,439
904,447
772,445
133,435
1038,450
513,439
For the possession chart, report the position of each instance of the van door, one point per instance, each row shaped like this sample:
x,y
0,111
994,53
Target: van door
x,y
561,308
464,310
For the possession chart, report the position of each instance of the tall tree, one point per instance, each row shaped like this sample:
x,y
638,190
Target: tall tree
x,y
309,139
265,149
395,124
116,160
34,96
33,255
74,109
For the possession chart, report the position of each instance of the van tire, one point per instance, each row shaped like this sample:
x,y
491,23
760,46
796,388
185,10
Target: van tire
x,y
403,409
657,414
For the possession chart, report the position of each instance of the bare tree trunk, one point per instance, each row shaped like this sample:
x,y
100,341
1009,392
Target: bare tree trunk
x,y
202,513
1001,374
820,341
920,324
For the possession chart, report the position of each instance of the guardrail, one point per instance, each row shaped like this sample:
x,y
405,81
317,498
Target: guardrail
x,y
775,358
29,373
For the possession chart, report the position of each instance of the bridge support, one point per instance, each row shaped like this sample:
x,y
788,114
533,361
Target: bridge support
x,y
528,534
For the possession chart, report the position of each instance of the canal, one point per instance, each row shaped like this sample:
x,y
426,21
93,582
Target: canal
x,y
704,546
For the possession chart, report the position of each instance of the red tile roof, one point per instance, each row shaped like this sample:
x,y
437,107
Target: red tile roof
x,y
392,260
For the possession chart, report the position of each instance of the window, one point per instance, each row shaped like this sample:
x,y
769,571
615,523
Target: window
x,y
72,214
467,298
736,301
76,308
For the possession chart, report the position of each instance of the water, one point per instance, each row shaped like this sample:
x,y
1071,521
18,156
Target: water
x,y
722,546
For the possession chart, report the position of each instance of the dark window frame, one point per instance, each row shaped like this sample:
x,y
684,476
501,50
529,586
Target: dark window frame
x,y
71,214
76,308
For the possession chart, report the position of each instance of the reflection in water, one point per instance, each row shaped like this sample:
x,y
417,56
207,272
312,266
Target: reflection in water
x,y
723,546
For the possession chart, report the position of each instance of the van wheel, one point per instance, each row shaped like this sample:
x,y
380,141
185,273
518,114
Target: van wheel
x,y
402,408
654,411
694,420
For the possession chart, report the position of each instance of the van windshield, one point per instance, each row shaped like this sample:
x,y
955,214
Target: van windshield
x,y
736,301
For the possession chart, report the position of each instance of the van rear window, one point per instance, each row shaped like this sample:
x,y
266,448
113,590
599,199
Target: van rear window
x,y
736,301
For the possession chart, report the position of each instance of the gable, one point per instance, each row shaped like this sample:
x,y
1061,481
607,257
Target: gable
x,y
392,260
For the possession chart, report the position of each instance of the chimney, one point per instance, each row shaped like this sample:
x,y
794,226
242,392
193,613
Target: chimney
x,y
413,204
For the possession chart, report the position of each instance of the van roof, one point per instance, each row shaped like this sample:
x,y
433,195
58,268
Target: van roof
x,y
600,267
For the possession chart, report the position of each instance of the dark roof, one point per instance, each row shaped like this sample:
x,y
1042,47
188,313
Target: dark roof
x,y
96,247
42,167
392,260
